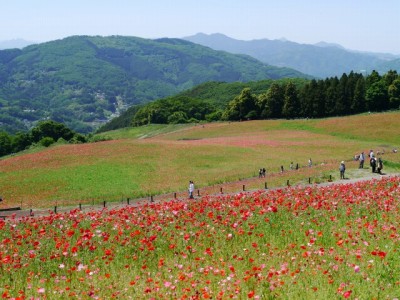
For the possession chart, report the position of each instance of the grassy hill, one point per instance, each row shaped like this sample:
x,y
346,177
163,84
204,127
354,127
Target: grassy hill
x,y
219,94
83,81
159,159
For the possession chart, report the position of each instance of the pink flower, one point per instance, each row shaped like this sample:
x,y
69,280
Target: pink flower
x,y
356,269
41,290
347,294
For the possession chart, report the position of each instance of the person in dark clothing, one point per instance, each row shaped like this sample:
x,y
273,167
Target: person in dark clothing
x,y
342,169
379,166
361,158
372,162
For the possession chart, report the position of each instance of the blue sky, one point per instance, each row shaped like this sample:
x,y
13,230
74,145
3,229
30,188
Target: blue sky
x,y
367,25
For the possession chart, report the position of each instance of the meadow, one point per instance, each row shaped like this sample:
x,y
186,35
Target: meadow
x,y
334,242
159,159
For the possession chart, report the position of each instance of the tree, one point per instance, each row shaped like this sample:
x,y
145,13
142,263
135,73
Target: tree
x,y
377,97
21,141
271,103
358,101
291,106
5,143
390,76
177,117
242,107
342,101
331,96
372,78
51,129
394,94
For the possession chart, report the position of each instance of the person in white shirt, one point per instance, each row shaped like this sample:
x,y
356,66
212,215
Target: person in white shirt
x,y
191,189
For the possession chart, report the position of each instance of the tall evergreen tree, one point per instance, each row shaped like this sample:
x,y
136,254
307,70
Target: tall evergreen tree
x,y
331,96
341,105
306,99
372,78
358,101
291,106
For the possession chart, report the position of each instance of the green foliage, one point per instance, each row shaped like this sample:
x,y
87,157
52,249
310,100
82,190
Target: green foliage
x,y
243,107
51,129
45,133
84,81
46,141
172,111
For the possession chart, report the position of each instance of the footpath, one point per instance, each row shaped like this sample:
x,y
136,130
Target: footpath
x,y
355,175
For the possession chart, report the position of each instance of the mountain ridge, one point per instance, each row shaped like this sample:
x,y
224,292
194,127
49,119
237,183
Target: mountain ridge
x,y
329,60
83,81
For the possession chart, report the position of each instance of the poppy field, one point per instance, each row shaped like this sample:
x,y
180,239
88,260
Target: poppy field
x,y
160,159
339,241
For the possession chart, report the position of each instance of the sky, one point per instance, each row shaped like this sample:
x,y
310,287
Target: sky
x,y
365,25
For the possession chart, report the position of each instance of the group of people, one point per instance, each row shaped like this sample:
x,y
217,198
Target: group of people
x,y
376,164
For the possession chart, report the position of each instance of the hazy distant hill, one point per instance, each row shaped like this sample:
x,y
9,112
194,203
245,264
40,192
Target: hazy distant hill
x,y
321,60
84,81
15,43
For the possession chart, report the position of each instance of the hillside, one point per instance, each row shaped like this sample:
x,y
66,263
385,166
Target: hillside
x,y
320,60
84,81
218,94
158,159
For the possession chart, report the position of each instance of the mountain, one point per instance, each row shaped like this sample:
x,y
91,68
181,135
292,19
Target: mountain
x,y
15,43
84,81
320,60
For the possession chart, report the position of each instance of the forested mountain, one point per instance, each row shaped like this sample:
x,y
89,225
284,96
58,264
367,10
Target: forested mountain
x,y
320,60
83,81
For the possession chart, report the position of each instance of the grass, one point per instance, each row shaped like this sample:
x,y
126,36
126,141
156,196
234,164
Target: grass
x,y
316,242
159,159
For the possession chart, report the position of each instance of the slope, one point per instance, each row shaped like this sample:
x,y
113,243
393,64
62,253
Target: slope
x,y
84,81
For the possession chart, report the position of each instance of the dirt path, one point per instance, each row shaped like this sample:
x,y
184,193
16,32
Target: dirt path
x,y
352,176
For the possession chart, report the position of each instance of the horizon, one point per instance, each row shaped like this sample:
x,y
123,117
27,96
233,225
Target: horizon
x,y
360,25
333,44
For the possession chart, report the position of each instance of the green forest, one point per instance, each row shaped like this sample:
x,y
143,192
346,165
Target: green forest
x,y
287,98
85,81
218,101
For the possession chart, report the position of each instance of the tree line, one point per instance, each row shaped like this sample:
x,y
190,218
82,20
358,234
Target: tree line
x,y
352,93
349,94
45,133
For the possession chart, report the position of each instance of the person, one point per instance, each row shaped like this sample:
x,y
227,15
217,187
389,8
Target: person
x,y
282,169
291,166
342,169
310,162
361,159
263,172
371,154
380,166
372,162
191,189
260,173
